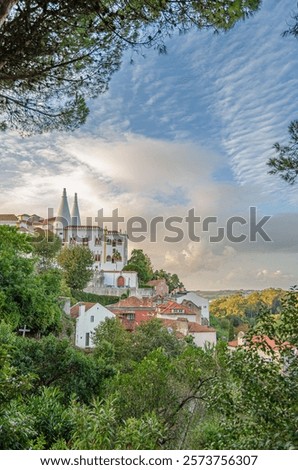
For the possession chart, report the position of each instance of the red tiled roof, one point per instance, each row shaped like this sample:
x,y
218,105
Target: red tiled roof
x,y
268,342
166,308
261,340
196,328
74,311
133,302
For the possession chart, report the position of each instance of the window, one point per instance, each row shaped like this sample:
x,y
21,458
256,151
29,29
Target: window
x,y
97,257
87,340
108,259
85,241
97,241
114,243
119,241
129,316
92,318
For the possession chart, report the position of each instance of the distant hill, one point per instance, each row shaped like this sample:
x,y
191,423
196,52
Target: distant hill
x,y
216,294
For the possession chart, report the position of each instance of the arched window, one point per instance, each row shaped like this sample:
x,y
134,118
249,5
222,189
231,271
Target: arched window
x,y
109,259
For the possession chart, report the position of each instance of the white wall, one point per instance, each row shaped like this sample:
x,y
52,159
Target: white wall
x,y
204,339
97,244
84,323
131,278
198,301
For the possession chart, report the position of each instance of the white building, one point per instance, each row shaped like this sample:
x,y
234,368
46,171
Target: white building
x,y
204,336
200,302
110,248
88,316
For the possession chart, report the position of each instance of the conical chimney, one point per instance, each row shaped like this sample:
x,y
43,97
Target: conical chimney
x,y
63,214
75,213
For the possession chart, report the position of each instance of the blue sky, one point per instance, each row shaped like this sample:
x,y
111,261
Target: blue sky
x,y
191,129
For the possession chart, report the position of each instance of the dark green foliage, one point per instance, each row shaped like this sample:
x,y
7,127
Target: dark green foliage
x,y
153,335
52,419
141,263
26,297
57,54
81,296
113,345
56,363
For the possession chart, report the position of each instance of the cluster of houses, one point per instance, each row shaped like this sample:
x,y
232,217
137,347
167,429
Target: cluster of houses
x,y
186,315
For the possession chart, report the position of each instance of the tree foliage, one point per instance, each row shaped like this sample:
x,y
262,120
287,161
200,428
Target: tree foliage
x,y
76,262
141,263
172,280
46,246
254,398
57,54
26,297
247,306
286,163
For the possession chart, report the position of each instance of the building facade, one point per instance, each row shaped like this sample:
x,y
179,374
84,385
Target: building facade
x,y
88,316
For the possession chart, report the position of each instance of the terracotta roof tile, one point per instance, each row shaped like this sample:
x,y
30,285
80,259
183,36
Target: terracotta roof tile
x,y
133,302
168,307
74,311
196,328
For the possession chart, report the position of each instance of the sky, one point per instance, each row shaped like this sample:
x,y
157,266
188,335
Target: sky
x,y
192,129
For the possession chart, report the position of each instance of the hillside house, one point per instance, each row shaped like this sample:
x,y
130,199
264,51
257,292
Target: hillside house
x,y
194,301
203,336
88,316
133,311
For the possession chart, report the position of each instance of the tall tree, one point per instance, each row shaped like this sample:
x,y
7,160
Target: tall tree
x,y
26,297
76,262
56,54
140,262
